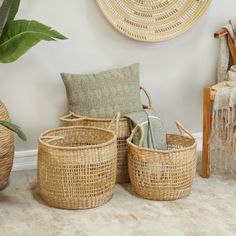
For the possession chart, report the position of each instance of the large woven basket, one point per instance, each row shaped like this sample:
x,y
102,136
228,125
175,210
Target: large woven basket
x,y
6,148
123,133
163,175
77,166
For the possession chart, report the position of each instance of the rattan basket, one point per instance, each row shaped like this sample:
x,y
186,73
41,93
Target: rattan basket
x,y
123,133
163,175
6,148
77,166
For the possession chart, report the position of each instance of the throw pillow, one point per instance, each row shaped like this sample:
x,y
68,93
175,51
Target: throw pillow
x,y
103,94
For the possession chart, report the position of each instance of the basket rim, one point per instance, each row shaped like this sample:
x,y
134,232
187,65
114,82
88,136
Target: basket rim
x,y
114,138
66,118
165,151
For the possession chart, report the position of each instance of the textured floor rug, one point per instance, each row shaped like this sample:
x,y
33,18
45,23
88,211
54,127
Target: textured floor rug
x,y
209,210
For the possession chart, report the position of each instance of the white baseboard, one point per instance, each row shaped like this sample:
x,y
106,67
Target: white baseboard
x,y
27,160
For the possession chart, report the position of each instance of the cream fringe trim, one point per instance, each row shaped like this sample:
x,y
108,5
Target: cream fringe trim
x,y
223,140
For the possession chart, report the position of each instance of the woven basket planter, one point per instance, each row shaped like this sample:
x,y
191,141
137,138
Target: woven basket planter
x,y
163,175
77,166
123,133
6,148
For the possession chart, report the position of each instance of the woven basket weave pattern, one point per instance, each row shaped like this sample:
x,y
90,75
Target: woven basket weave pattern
x,y
79,170
163,175
153,20
122,175
6,148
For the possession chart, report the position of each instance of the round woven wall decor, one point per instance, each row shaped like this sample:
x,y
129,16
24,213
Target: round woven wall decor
x,y
153,20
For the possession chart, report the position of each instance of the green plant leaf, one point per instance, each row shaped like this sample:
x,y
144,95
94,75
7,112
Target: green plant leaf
x,y
14,128
20,35
4,13
13,10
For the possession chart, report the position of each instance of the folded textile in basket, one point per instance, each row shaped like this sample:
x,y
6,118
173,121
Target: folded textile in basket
x,y
150,123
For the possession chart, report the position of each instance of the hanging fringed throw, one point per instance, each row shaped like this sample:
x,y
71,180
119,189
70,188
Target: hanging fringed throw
x,y
223,138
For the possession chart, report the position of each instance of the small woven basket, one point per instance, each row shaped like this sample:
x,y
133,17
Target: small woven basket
x,y
77,166
123,133
6,148
163,174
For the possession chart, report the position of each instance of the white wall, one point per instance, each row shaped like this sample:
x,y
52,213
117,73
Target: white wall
x,y
174,72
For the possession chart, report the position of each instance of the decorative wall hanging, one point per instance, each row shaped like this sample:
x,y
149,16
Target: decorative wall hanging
x,y
153,20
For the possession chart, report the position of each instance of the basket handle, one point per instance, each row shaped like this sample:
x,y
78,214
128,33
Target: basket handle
x,y
71,113
183,130
77,116
115,120
148,97
134,131
52,138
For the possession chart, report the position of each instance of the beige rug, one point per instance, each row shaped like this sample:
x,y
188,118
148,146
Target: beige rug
x,y
209,210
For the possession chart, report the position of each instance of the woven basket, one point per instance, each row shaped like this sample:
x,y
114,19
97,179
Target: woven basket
x,y
6,148
163,175
153,20
123,133
77,166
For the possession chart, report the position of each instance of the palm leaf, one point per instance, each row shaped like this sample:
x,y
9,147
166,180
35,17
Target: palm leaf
x,y
4,13
20,35
8,10
14,128
13,10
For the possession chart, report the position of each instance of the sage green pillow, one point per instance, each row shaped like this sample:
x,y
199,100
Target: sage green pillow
x,y
103,94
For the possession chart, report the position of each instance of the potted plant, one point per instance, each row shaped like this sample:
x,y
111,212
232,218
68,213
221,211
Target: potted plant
x,y
16,38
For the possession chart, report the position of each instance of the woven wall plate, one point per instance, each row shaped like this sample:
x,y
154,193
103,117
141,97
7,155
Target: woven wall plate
x,y
153,20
